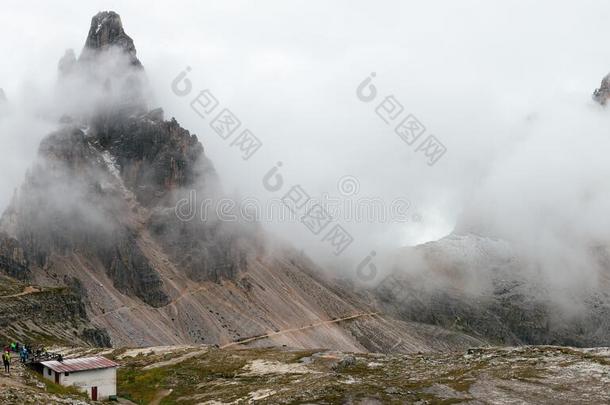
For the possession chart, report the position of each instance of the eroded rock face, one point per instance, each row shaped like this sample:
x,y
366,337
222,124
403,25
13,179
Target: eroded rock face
x,y
602,94
45,315
153,156
12,258
67,206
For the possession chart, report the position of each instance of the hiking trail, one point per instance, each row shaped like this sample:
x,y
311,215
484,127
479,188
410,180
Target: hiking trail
x,y
292,330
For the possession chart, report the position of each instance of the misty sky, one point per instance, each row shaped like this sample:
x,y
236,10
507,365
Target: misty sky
x,y
504,85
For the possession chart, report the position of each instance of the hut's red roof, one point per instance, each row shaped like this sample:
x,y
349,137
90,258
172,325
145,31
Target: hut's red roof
x,y
81,364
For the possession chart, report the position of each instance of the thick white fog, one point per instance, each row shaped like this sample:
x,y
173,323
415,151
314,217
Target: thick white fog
x,y
505,86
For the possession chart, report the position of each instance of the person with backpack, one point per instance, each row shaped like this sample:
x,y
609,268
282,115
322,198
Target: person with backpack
x,y
6,359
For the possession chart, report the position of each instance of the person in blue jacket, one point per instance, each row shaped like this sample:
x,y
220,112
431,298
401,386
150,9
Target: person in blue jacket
x,y
23,354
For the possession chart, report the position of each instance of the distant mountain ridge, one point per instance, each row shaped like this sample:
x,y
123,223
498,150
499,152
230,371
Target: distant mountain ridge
x,y
482,287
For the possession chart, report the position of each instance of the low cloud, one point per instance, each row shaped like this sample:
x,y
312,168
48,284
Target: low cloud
x,y
505,86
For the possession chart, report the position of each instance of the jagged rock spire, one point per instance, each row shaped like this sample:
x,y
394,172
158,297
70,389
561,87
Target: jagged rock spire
x,y
107,31
107,70
602,94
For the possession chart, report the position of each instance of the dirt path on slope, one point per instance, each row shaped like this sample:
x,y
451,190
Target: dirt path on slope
x,y
286,331
176,360
16,377
27,290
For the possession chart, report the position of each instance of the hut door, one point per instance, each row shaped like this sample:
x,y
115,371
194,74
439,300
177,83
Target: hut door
x,y
94,393
56,377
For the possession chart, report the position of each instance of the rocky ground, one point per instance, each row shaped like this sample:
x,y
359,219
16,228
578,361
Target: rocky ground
x,y
209,375
23,386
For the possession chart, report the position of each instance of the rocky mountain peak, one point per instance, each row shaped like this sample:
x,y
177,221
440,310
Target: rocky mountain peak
x,y
107,31
602,94
107,75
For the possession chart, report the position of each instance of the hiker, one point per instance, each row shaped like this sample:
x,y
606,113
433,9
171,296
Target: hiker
x,y
6,359
13,347
24,354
